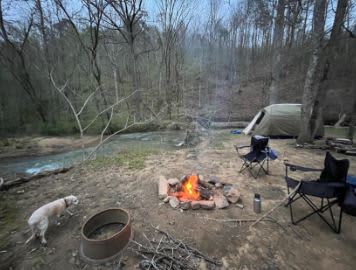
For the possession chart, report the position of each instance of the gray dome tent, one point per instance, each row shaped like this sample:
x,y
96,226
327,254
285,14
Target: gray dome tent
x,y
278,120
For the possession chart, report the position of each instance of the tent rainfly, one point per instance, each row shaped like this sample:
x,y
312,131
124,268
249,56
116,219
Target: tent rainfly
x,y
280,120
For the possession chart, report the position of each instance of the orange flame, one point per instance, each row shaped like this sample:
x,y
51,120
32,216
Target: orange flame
x,y
189,189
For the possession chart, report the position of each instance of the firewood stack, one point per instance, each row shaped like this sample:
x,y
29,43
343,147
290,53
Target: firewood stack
x,y
341,145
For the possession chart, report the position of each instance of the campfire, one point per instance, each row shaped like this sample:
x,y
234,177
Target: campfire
x,y
194,192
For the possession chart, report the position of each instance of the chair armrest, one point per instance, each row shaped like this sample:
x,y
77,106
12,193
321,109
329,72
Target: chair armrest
x,y
293,167
241,146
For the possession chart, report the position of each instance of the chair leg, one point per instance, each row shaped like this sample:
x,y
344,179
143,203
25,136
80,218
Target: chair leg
x,y
331,214
319,212
262,168
340,219
244,166
249,167
291,214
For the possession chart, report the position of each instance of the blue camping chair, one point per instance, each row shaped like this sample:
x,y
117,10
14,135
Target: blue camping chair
x,y
257,157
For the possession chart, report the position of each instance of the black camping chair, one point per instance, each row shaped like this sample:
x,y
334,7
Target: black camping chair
x,y
257,156
329,188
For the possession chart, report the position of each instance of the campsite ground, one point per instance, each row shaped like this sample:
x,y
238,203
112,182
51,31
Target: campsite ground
x,y
99,185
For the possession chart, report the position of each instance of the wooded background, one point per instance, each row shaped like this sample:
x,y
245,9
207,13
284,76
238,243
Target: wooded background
x,y
176,58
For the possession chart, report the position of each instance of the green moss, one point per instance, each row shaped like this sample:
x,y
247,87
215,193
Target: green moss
x,y
59,128
132,159
218,139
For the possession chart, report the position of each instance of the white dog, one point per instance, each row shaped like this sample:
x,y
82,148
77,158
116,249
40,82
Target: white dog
x,y
39,219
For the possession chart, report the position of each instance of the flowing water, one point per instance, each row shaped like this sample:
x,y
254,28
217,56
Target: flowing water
x,y
163,140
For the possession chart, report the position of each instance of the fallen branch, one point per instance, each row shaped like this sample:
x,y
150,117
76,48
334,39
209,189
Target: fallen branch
x,y
282,202
21,180
231,219
167,252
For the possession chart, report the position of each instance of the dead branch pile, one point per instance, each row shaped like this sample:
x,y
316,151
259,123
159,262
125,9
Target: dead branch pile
x,y
339,145
167,252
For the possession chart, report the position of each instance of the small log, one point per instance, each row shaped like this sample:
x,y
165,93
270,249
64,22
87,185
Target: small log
x,y
350,153
21,180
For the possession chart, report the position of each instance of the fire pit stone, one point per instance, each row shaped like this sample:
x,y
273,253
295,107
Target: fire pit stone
x,y
185,205
214,180
208,205
174,202
173,181
167,199
218,185
220,201
162,187
232,194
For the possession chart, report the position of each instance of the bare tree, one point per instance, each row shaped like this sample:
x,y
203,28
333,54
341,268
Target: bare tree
x,y
315,89
95,11
172,14
277,47
330,51
308,124
130,14
17,63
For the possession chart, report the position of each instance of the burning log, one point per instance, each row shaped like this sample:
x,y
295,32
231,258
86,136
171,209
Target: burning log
x,y
206,184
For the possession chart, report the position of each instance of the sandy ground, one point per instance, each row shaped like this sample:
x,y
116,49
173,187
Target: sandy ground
x,y
36,146
269,245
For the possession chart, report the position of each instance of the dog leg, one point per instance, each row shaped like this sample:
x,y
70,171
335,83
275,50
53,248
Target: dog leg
x,y
43,225
33,231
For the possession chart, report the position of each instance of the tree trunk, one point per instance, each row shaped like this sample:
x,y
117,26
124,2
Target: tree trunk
x,y
313,73
316,101
329,54
277,52
350,133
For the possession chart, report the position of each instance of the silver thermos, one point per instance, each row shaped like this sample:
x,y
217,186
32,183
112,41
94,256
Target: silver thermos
x,y
257,203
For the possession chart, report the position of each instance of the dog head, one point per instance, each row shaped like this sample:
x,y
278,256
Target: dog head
x,y
71,200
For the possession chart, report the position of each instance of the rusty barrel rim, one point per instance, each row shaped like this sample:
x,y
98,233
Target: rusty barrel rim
x,y
105,250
